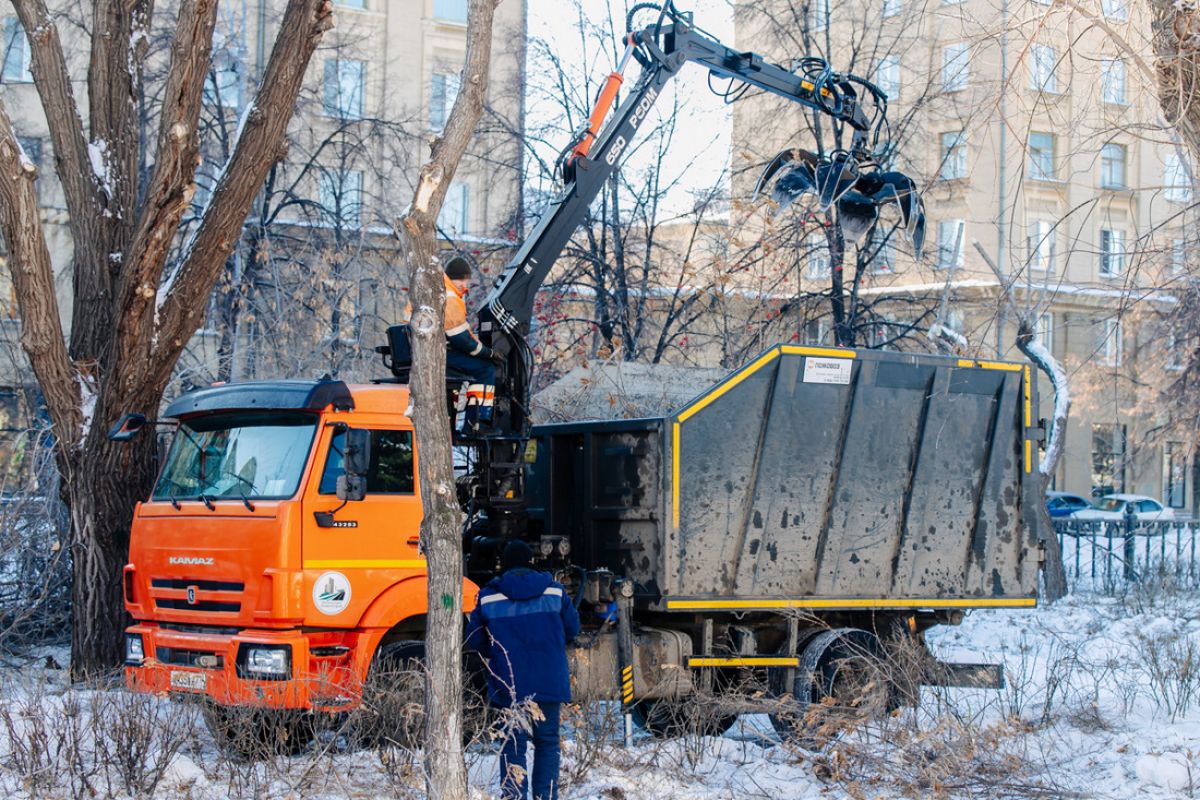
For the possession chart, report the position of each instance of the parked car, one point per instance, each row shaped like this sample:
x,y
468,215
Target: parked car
x,y
1111,508
1064,504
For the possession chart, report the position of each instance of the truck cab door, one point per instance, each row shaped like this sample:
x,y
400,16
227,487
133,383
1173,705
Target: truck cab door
x,y
377,533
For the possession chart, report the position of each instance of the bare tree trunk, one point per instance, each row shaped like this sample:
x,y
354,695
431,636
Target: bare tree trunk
x,y
441,527
128,330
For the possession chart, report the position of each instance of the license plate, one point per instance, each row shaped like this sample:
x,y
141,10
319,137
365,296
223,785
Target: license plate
x,y
193,681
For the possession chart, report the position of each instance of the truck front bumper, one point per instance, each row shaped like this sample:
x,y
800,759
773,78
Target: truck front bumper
x,y
274,669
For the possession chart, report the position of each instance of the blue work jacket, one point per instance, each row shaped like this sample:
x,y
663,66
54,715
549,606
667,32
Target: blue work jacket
x,y
522,624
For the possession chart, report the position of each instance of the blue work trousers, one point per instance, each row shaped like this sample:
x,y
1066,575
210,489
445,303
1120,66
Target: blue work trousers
x,y
479,370
544,775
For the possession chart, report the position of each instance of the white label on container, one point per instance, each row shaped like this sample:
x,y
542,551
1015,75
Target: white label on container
x,y
827,370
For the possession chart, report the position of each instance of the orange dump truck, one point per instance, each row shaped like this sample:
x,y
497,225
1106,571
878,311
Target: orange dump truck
x,y
289,591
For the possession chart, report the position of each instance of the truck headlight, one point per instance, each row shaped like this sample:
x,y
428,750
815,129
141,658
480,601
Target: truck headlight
x,y
269,662
135,649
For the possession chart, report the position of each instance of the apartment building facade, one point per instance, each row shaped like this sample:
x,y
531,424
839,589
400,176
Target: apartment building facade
x,y
380,87
318,275
1049,181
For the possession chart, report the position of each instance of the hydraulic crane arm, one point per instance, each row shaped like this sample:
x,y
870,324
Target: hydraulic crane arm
x,y
662,50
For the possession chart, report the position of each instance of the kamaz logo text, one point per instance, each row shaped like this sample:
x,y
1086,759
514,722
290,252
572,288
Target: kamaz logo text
x,y
195,561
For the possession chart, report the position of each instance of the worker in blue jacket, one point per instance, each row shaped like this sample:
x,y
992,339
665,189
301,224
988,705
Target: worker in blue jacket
x,y
521,624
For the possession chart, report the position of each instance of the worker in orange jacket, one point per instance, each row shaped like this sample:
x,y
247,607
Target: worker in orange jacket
x,y
465,353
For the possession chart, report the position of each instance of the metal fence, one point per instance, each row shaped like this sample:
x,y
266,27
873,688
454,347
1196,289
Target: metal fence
x,y
1110,557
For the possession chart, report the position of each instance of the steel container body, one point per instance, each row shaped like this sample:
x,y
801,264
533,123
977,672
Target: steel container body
x,y
810,478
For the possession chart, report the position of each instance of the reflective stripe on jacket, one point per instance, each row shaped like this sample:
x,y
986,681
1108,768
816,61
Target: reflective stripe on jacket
x,y
522,624
458,330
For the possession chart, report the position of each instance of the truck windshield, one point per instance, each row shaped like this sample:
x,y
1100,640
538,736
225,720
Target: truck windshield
x,y
252,456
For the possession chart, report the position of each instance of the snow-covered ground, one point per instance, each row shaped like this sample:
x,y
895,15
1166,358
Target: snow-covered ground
x,y
1102,700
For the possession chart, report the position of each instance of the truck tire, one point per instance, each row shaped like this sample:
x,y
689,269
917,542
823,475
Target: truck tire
x,y
672,718
393,701
842,681
249,734
393,698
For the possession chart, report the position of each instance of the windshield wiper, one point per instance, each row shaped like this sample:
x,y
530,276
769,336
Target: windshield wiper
x,y
207,502
245,500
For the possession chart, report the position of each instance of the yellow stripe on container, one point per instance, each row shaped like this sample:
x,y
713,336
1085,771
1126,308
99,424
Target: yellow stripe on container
x,y
781,661
1000,365
853,602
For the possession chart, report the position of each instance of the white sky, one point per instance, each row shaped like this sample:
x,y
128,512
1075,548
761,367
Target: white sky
x,y
700,152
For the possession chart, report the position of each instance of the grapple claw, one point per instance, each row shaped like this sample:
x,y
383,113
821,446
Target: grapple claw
x,y
860,195
781,160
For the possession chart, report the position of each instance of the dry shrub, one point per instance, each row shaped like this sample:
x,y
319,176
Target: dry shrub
x,y
138,736
1171,665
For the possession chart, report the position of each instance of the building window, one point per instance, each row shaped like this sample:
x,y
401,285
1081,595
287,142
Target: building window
x,y
1112,166
884,260
819,263
450,10
341,197
950,243
953,156
1177,180
1114,9
1178,256
816,331
1042,74
344,88
16,53
956,67
1108,459
223,84
1112,252
1112,81
1041,157
1041,245
1175,474
1109,348
892,7
1043,332
1174,360
455,214
887,76
351,3
445,91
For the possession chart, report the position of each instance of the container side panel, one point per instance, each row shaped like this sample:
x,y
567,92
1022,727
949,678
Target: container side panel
x,y
995,552
796,472
718,450
866,511
951,466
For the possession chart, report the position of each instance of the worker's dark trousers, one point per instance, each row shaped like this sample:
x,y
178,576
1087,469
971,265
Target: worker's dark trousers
x,y
544,775
482,373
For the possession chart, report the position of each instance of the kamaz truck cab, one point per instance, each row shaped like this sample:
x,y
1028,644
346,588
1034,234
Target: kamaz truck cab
x,y
254,577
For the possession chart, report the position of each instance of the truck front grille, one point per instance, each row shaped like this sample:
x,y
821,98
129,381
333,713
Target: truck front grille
x,y
204,586
199,605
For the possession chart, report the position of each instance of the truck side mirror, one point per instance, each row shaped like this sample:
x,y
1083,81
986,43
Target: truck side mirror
x,y
356,463
127,427
356,455
351,487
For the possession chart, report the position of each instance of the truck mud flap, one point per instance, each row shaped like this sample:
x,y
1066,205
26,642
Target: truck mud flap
x,y
965,676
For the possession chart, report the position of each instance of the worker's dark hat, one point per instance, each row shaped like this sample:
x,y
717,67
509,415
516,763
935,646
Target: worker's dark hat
x,y
458,269
516,554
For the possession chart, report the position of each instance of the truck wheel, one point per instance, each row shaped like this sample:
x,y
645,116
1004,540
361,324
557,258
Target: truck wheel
x,y
248,734
393,697
842,681
671,718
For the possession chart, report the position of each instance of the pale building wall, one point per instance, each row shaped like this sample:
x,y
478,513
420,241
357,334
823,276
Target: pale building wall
x,y
996,195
